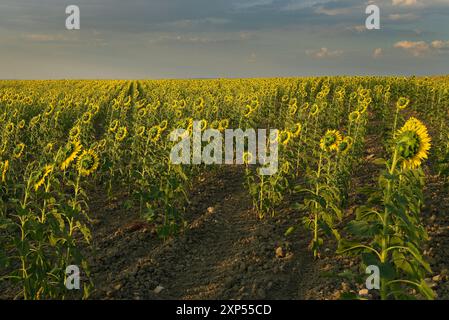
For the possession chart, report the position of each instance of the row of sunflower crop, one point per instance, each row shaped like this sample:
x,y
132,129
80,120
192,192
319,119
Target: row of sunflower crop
x,y
65,143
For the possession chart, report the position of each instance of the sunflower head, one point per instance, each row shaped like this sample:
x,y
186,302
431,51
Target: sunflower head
x,y
70,152
331,141
121,134
247,157
203,124
354,116
314,110
402,103
18,150
413,143
113,126
199,104
141,131
214,124
9,128
41,175
345,145
224,124
154,134
21,124
86,117
87,163
163,125
296,129
248,111
74,133
285,137
292,109
142,112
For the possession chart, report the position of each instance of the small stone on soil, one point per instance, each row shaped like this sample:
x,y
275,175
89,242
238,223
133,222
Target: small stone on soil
x,y
279,252
158,289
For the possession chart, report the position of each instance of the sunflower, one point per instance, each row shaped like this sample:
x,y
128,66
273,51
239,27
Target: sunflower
x,y
42,175
18,150
86,117
214,124
314,109
305,107
74,133
127,102
154,134
354,116
292,109
95,108
402,103
296,129
141,131
199,104
101,144
49,110
87,163
34,121
21,124
286,167
48,148
9,128
331,141
345,145
163,125
113,126
285,137
121,134
249,111
413,143
70,152
142,112
203,124
247,157
224,124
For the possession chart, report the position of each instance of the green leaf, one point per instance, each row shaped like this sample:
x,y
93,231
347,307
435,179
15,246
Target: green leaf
x,y
289,231
426,290
364,229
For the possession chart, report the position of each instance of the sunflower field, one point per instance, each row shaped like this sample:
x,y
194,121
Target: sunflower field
x,y
65,144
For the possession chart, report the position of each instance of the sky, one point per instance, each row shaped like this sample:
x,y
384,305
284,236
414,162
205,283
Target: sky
x,y
153,39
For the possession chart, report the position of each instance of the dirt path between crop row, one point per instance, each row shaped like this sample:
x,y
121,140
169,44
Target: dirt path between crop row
x,y
224,253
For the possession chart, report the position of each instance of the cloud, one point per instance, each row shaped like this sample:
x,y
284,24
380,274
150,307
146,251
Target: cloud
x,y
405,2
358,28
420,48
439,44
324,53
247,4
46,37
332,12
302,4
417,48
378,52
402,17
